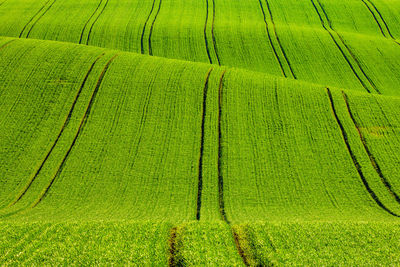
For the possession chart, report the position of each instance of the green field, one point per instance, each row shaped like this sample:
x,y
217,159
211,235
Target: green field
x,y
200,133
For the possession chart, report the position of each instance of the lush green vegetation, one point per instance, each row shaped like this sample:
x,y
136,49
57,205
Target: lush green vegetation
x,y
213,132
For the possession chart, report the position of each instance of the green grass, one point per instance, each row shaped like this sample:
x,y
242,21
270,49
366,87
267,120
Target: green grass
x,y
192,133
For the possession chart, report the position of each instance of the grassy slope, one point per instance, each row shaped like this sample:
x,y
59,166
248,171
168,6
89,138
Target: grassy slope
x,y
235,146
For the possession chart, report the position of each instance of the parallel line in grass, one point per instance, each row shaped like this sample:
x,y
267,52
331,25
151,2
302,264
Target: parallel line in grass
x,y
354,159
346,47
374,163
203,118
205,34
270,40
151,28
87,22
80,129
36,21
172,247
377,21
31,19
144,28
239,248
213,34
220,152
65,124
94,22
279,41
6,44
3,2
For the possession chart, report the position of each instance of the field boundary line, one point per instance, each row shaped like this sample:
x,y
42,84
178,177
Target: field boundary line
x,y
213,34
81,127
172,247
94,22
354,159
36,21
87,22
281,49
220,151
65,124
330,31
144,28
374,163
152,27
31,19
203,119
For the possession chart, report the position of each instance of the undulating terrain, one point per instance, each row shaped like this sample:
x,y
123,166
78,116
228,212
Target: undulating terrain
x,y
200,132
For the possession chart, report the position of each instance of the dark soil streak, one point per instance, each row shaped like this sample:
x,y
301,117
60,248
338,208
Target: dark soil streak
x,y
172,248
355,161
220,152
37,13
81,127
87,22
94,22
33,25
200,176
151,29
270,40
144,27
213,34
66,122
239,248
205,34
370,155
279,41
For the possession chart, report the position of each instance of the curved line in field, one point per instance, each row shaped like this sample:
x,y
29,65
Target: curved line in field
x,y
221,201
213,35
144,27
29,21
33,25
65,124
203,115
374,163
87,22
341,50
94,22
270,40
278,40
151,29
80,129
205,34
354,159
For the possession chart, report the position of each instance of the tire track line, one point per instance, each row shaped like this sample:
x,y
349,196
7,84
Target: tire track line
x,y
386,27
220,152
213,34
65,124
151,29
80,129
374,163
94,22
144,27
172,247
87,22
282,50
33,25
330,29
6,44
270,40
239,247
205,34
203,118
354,159
29,21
